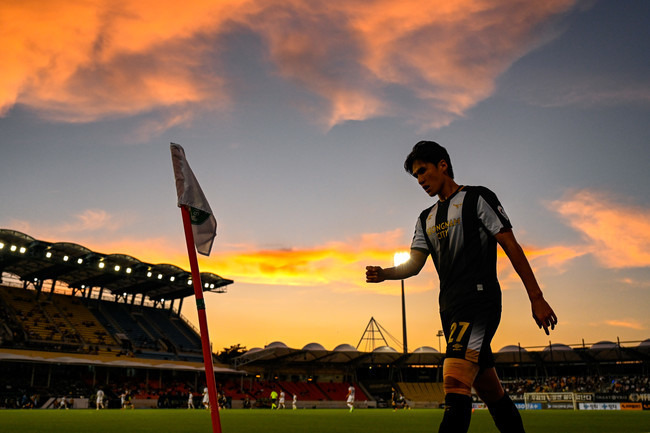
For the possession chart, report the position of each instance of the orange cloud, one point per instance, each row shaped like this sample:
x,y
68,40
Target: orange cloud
x,y
444,58
631,324
339,265
83,61
631,282
552,257
94,220
618,235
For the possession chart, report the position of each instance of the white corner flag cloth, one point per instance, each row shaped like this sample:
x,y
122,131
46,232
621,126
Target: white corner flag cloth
x,y
204,224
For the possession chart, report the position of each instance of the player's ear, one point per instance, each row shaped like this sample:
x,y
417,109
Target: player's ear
x,y
442,165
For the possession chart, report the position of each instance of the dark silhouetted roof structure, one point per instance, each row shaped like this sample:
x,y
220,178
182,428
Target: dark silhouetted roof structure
x,y
34,261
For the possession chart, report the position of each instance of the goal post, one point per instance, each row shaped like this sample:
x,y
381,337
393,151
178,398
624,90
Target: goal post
x,y
551,400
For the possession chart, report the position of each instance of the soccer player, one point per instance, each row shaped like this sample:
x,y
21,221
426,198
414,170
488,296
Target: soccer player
x,y
350,397
274,399
128,399
206,398
190,400
460,231
100,399
281,401
295,402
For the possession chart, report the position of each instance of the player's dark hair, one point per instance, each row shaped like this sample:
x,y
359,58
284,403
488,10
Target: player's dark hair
x,y
428,151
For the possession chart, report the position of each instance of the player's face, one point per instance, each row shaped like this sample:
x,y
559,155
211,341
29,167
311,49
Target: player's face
x,y
430,176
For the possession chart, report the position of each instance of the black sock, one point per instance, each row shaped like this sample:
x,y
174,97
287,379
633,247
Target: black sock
x,y
506,416
458,413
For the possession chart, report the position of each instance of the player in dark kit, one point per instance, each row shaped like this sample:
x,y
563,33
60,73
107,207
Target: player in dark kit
x,y
460,232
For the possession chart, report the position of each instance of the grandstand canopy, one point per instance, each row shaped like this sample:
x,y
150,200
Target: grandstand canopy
x,y
278,353
35,261
344,354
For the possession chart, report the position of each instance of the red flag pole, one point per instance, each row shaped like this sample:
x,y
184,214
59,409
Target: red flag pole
x,y
203,321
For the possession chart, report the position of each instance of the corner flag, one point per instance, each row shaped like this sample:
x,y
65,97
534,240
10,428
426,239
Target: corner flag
x,y
200,228
204,224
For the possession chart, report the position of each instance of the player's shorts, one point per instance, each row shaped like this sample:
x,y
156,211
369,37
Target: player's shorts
x,y
469,331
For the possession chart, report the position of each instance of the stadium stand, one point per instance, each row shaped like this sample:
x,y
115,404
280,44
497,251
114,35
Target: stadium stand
x,y
71,323
83,321
118,315
164,324
339,390
305,390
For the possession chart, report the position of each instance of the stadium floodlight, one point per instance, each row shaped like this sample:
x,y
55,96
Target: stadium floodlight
x,y
128,270
66,258
80,261
401,257
206,285
101,265
2,245
149,274
22,250
439,335
48,254
189,282
117,268
398,259
13,248
172,278
160,276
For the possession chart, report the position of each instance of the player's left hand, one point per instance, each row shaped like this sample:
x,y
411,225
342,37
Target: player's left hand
x,y
543,314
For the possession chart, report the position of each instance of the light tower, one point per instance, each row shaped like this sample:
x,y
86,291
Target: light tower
x,y
398,259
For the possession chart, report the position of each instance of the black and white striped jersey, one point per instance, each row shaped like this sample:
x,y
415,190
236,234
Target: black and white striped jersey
x,y
460,238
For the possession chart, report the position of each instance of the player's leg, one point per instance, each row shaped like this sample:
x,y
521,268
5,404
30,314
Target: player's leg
x,y
458,375
503,410
469,331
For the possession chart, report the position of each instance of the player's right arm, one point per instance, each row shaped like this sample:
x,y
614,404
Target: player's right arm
x,y
377,274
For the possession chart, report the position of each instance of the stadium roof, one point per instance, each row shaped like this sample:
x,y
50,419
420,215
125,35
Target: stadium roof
x,y
34,261
343,354
277,353
105,360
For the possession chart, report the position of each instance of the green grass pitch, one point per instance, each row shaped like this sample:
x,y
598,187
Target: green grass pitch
x,y
306,420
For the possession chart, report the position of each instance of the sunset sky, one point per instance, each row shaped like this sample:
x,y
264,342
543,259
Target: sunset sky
x,y
296,117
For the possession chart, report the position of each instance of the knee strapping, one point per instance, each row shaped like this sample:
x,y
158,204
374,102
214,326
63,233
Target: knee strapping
x,y
458,376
